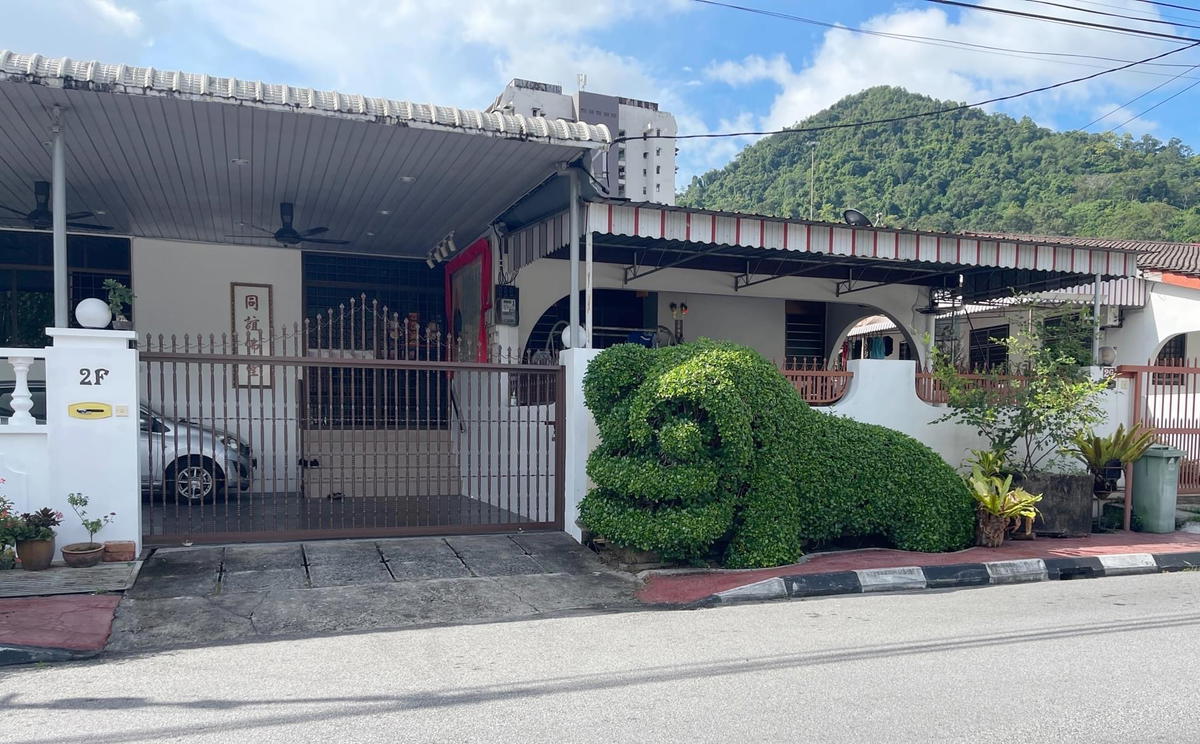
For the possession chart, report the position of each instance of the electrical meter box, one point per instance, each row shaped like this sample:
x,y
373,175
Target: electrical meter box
x,y
508,305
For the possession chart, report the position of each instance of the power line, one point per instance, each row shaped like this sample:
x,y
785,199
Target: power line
x,y
935,41
1140,114
907,117
1171,5
1099,4
1135,100
1078,9
1067,21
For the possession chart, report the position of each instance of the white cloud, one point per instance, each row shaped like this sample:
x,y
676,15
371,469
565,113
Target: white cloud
x,y
416,49
127,21
846,62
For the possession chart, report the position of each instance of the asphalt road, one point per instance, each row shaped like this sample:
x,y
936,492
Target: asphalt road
x,y
1103,660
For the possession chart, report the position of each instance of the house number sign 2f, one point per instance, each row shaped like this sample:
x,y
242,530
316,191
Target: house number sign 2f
x,y
89,376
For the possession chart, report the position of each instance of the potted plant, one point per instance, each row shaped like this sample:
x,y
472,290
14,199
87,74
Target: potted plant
x,y
1106,457
82,555
8,559
33,535
1000,507
118,297
1028,410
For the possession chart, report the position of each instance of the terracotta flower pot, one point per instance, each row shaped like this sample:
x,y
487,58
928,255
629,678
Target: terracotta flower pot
x,y
35,555
82,555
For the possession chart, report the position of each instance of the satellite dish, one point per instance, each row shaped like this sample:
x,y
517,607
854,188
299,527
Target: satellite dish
x,y
855,218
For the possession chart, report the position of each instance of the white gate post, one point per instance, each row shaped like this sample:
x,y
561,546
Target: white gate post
x,y
579,430
93,418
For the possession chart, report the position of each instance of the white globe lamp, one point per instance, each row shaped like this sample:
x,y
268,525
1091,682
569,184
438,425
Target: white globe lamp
x,y
566,336
93,313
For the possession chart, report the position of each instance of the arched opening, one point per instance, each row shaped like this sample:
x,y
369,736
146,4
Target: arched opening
x,y
869,333
619,316
1176,350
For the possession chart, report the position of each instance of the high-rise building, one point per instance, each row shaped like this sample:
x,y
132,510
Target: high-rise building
x,y
640,166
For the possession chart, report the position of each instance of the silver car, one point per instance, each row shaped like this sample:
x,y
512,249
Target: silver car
x,y
184,461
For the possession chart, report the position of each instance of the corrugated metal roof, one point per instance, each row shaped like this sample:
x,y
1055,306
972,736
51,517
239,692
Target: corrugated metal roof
x,y
658,221
872,324
91,75
1155,255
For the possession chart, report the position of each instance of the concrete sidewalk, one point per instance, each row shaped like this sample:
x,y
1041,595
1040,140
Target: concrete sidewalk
x,y
205,595
687,587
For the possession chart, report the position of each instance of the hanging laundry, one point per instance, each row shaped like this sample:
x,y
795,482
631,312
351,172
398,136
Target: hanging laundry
x,y
877,348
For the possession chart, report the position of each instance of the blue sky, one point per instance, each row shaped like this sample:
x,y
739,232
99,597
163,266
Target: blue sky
x,y
717,69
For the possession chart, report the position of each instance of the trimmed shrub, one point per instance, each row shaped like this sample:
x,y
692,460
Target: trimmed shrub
x,y
706,446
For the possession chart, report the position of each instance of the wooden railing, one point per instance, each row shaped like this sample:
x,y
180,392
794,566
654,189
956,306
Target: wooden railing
x,y
815,381
931,390
821,384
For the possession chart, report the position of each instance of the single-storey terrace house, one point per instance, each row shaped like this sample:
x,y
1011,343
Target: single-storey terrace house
x,y
350,311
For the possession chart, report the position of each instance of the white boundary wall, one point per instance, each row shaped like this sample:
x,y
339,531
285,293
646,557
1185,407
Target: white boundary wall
x,y
42,463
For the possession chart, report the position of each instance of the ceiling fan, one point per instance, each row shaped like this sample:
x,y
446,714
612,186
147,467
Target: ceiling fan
x,y
41,218
287,234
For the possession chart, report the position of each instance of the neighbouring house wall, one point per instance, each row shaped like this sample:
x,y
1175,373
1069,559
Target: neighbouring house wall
x,y
184,288
757,322
1169,311
754,315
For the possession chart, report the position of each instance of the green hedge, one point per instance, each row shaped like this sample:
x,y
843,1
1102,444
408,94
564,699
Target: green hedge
x,y
705,446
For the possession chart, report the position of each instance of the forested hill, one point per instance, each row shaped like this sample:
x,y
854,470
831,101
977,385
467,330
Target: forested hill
x,y
964,171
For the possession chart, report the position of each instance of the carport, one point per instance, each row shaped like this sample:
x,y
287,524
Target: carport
x,y
223,193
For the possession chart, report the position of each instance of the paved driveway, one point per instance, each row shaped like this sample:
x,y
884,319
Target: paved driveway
x,y
197,596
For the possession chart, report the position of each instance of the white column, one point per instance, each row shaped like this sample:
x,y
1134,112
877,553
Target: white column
x,y
22,399
92,417
1096,319
573,212
579,430
58,210
587,290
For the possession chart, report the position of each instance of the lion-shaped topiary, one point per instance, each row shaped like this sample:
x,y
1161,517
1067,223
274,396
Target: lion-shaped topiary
x,y
706,447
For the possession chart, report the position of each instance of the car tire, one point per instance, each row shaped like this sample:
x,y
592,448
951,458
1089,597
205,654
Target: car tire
x,y
194,480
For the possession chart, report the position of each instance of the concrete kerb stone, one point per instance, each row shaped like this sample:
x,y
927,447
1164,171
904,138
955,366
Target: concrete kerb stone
x,y
773,588
1129,563
891,579
11,655
909,578
1177,561
1018,571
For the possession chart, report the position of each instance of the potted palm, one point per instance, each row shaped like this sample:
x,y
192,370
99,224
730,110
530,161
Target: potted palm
x,y
1000,507
1106,457
82,555
118,297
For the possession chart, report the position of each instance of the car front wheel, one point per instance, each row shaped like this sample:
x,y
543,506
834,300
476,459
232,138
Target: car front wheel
x,y
195,481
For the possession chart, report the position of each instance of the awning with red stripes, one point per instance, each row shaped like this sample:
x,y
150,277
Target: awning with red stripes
x,y
751,231
753,248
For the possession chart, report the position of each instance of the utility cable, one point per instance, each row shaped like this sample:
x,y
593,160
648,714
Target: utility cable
x,y
908,117
1140,114
1163,84
1099,4
1078,9
936,41
1067,21
1171,5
